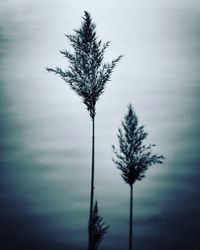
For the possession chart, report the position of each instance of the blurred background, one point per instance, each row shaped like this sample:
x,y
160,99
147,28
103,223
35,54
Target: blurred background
x,y
45,130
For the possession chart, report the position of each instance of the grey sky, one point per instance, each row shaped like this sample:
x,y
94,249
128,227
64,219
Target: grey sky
x,y
45,142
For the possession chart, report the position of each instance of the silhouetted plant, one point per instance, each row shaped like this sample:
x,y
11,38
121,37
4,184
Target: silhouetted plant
x,y
133,157
97,228
87,74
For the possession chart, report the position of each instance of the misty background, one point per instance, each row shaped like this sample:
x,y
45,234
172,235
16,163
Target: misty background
x,y
45,130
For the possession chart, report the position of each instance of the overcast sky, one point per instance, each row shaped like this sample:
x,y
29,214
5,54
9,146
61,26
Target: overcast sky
x,y
45,128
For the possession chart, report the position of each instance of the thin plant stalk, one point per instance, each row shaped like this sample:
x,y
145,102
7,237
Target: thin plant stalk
x,y
131,219
92,181
92,168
